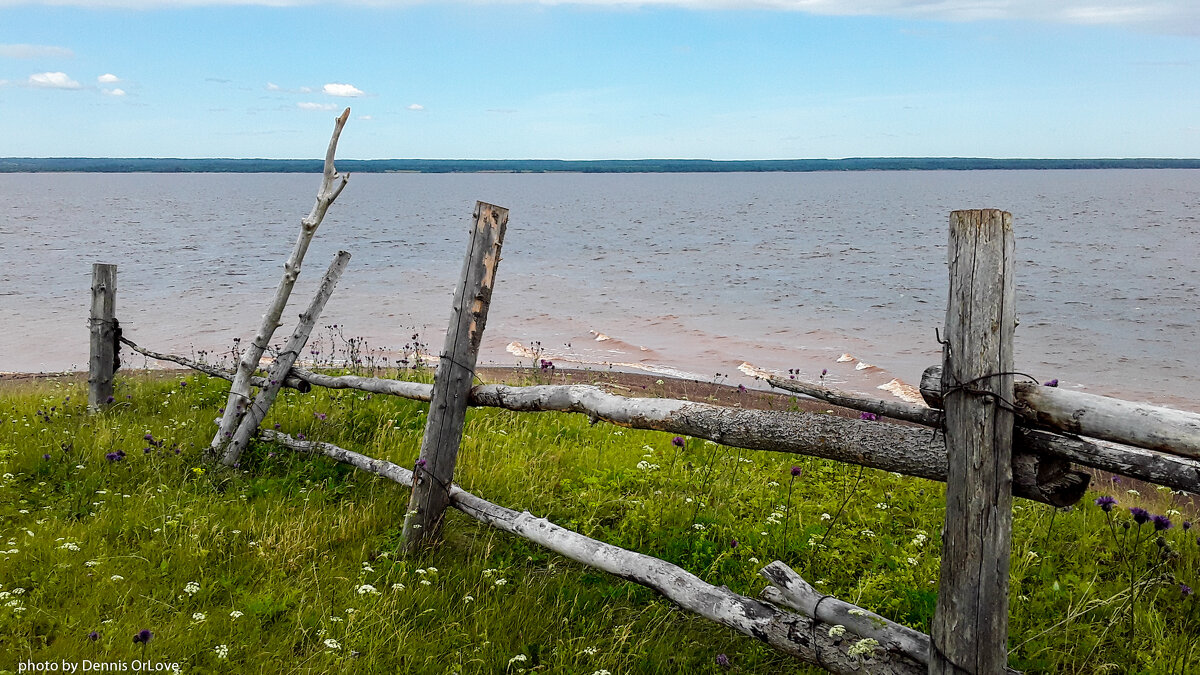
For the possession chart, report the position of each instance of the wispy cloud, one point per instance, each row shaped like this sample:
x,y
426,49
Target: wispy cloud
x,y
53,81
108,78
339,89
308,105
114,92
416,106
34,51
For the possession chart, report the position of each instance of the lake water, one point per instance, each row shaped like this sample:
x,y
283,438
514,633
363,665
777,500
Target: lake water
x,y
693,273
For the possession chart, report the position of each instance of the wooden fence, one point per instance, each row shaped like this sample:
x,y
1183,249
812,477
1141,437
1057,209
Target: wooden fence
x,y
994,438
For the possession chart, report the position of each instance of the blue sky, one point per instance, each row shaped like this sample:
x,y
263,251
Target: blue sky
x,y
595,79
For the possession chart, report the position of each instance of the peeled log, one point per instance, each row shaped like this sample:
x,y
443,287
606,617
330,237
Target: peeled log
x,y
792,634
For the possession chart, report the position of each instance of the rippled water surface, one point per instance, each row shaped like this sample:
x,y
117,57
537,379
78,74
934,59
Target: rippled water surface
x,y
695,272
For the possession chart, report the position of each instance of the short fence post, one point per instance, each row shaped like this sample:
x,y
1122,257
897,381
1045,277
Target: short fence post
x,y
103,344
452,382
970,628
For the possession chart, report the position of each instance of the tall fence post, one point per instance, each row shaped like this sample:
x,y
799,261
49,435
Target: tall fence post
x,y
103,343
970,628
452,382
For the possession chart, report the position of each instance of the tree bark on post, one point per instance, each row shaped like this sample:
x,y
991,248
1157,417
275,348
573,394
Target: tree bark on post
x,y
238,401
452,381
970,627
103,343
283,363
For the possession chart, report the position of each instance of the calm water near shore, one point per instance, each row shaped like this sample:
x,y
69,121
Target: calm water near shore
x,y
687,272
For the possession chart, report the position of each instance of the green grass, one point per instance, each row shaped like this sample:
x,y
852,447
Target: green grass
x,y
282,555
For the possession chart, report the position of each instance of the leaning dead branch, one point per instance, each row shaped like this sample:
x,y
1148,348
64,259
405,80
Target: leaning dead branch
x,y
332,184
792,634
291,381
283,363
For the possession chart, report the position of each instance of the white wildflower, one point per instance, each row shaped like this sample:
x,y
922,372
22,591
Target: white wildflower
x,y
698,527
69,546
753,560
467,599
91,563
1135,493
912,561
518,658
867,533
235,614
191,588
222,651
330,643
590,651
501,582
837,631
431,570
864,647
426,582
367,589
882,506
198,617
826,516
116,577
397,587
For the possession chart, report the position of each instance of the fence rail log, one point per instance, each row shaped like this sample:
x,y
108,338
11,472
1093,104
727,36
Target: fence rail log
x,y
894,409
793,634
332,184
284,360
1176,432
291,381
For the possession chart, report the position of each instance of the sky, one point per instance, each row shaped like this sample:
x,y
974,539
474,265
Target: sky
x,y
597,79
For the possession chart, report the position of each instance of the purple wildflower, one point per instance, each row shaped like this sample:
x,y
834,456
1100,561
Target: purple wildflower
x,y
320,416
149,438
109,399
733,543
677,442
114,456
1187,525
421,463
270,455
1185,590
1140,516
1106,503
795,471
46,456
1161,523
93,636
870,417
741,388
299,437
722,660
1051,383
143,636
824,372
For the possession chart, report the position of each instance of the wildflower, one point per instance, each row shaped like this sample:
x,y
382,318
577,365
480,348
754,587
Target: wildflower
x,y
367,589
590,651
426,582
421,463
143,636
467,599
1185,590
501,582
235,614
521,658
69,546
116,577
222,651
397,587
191,588
837,631
864,647
870,417
868,534
93,636
722,660
882,506
1161,523
1140,515
46,456
753,560
1106,503
1051,383
319,415
796,471
699,527
199,617
826,516
677,442
912,561
733,543
330,643
603,671
1135,493
1187,525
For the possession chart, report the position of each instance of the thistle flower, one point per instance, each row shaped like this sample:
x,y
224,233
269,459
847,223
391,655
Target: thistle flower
x,y
870,417
1161,523
1106,503
1185,590
94,635
1140,516
143,636
722,660
796,472
677,442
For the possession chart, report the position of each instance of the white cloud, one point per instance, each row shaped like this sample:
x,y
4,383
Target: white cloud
x,y
271,86
338,89
108,78
53,81
306,105
365,117
416,106
114,92
34,51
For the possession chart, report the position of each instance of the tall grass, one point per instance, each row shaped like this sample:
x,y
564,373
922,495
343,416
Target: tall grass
x,y
289,564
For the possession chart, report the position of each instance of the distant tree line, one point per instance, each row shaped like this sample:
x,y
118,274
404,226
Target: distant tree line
x,y
169,165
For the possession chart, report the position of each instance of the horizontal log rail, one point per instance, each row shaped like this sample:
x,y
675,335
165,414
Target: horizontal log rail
x,y
802,637
1141,425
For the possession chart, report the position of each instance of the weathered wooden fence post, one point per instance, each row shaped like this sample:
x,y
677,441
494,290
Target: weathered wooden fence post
x,y
452,382
970,628
103,344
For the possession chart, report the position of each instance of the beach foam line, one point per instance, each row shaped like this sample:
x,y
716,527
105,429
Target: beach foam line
x,y
844,358
600,337
659,370
903,391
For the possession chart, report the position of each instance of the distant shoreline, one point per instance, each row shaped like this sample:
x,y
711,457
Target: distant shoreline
x,y
218,165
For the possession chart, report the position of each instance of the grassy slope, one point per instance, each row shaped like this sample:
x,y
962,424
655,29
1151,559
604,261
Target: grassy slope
x,y
304,549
